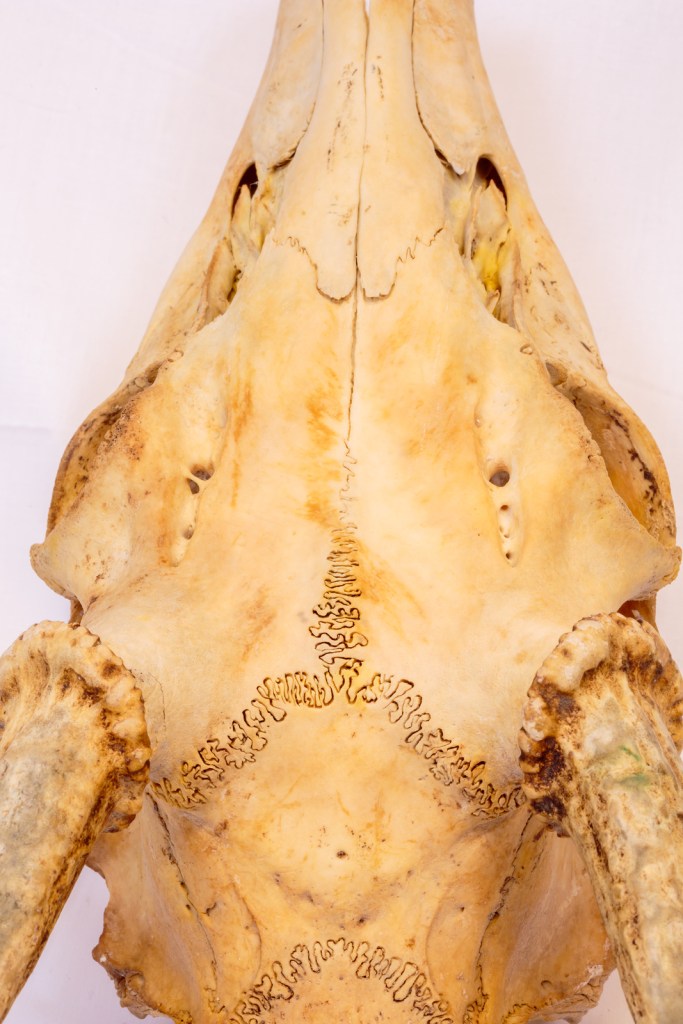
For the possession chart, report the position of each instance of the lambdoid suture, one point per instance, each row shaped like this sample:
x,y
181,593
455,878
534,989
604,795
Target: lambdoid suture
x,y
361,709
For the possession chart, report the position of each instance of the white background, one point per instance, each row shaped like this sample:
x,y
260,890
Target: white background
x,y
116,117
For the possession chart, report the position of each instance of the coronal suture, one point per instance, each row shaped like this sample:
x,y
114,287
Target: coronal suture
x,y
393,979
239,745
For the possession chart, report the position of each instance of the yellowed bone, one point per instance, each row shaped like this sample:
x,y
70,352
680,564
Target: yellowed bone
x,y
362,473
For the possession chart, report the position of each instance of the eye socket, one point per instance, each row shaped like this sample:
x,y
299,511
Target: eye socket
x,y
500,478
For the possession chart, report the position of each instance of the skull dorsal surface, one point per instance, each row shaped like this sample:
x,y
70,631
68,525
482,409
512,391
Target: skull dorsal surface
x,y
372,471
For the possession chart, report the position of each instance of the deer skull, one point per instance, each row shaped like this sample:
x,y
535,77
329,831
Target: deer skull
x,y
364,470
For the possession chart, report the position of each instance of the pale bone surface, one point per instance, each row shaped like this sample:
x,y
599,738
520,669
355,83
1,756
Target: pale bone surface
x,y
415,511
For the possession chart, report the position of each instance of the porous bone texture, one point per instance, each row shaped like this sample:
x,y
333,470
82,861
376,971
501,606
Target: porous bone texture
x,y
363,472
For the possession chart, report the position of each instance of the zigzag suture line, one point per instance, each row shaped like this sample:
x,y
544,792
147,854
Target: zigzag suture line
x,y
403,981
343,676
404,707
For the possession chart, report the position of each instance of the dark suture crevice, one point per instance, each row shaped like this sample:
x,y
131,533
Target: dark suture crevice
x,y
530,837
248,180
170,854
487,172
486,241
255,204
